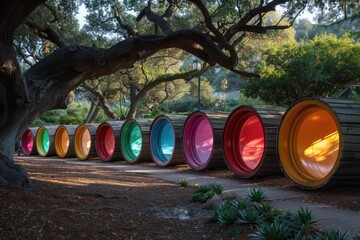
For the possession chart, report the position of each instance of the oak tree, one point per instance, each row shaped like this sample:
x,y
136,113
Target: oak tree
x,y
217,28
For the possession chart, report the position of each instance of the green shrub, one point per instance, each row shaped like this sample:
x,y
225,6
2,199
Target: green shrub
x,y
256,195
184,182
202,197
333,235
206,192
273,231
67,119
250,215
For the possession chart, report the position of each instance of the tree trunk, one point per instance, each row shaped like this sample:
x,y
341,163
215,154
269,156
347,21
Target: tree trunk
x,y
134,100
93,114
132,109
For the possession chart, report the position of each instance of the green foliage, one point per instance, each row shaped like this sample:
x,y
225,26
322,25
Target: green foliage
x,y
244,100
185,104
272,231
206,192
303,221
75,113
256,195
224,80
251,215
333,235
38,123
52,117
317,69
66,119
242,203
215,187
234,233
202,196
101,117
184,182
226,214
271,223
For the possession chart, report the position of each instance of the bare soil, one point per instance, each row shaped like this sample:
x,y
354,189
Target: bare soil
x,y
90,202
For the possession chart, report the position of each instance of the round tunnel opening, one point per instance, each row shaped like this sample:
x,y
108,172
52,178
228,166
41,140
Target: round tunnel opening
x,y
244,141
27,142
82,142
42,141
62,141
105,142
198,139
309,143
131,140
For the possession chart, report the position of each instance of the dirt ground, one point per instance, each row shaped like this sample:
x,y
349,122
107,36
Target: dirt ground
x,y
87,202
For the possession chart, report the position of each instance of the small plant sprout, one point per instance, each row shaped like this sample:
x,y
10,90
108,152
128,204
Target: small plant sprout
x,y
184,182
256,195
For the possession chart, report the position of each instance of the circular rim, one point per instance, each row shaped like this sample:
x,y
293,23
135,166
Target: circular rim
x,y
27,142
82,142
105,142
42,141
244,141
310,143
62,141
162,140
131,140
198,139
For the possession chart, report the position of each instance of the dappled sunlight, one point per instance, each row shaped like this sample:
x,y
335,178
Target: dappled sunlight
x,y
252,150
76,174
317,143
321,148
206,145
321,155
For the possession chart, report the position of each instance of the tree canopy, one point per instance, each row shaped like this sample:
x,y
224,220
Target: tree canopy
x,y
318,68
214,32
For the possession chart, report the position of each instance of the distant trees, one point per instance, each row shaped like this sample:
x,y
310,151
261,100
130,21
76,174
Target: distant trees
x,y
318,68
